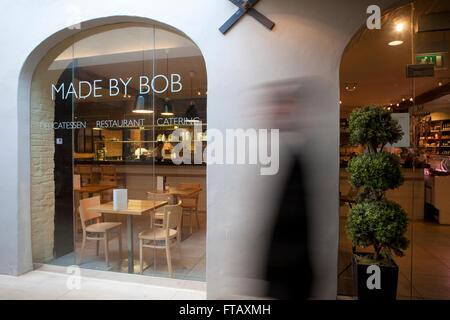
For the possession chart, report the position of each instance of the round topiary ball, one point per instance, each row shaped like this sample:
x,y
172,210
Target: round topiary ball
x,y
378,223
373,126
376,173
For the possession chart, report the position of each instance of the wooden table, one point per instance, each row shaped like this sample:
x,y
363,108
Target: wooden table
x,y
95,188
177,192
135,208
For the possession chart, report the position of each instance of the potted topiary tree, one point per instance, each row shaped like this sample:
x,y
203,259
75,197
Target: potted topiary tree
x,y
374,220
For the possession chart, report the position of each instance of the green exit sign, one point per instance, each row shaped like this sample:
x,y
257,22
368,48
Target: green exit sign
x,y
438,60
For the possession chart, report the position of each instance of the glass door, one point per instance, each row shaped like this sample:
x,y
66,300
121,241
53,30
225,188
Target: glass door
x,y
430,117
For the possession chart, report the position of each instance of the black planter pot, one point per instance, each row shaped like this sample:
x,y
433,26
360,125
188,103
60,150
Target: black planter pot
x,y
388,281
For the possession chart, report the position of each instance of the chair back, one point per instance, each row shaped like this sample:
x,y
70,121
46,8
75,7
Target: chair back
x,y
108,172
85,171
185,185
88,215
159,196
172,216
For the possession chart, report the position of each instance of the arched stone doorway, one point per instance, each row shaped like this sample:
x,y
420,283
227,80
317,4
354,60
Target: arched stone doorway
x,y
83,115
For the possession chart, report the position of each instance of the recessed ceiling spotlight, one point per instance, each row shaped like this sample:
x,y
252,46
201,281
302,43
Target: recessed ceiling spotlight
x,y
395,43
398,104
399,27
403,99
350,87
340,102
411,99
440,83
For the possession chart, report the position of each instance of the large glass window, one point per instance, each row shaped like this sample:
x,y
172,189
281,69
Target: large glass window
x,y
119,119
376,69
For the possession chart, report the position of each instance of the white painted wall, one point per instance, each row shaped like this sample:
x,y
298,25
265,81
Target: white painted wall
x,y
308,40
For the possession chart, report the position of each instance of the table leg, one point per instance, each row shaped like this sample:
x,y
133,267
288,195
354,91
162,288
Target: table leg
x,y
130,243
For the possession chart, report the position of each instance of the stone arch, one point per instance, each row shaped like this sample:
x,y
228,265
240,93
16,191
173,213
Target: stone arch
x,y
30,98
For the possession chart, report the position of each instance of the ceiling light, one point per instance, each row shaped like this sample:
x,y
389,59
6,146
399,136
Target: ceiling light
x,y
192,113
395,43
168,109
398,104
340,102
399,27
440,83
142,104
403,99
411,99
350,87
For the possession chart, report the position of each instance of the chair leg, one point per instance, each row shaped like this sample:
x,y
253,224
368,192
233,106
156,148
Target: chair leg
x,y
192,217
169,258
179,244
196,217
106,249
80,259
141,261
120,242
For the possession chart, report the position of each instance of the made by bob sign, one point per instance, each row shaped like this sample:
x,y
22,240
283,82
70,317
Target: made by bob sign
x,y
115,86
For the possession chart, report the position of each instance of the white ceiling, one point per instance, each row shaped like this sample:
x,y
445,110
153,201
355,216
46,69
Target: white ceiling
x,y
125,39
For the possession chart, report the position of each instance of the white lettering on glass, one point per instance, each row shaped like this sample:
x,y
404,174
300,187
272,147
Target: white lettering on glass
x,y
177,82
113,86
153,83
85,88
97,88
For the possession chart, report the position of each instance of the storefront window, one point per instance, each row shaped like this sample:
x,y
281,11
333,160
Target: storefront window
x,y
380,67
119,119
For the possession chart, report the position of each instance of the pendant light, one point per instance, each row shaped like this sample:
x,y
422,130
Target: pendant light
x,y
191,112
167,109
142,103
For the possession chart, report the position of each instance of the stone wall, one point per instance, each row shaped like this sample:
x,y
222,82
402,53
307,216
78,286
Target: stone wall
x,y
42,165
42,150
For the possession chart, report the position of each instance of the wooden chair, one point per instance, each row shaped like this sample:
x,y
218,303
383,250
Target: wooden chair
x,y
190,203
86,173
107,195
97,231
158,216
108,173
165,237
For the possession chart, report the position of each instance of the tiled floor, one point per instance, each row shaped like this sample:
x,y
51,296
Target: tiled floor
x,y
188,264
51,282
428,255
